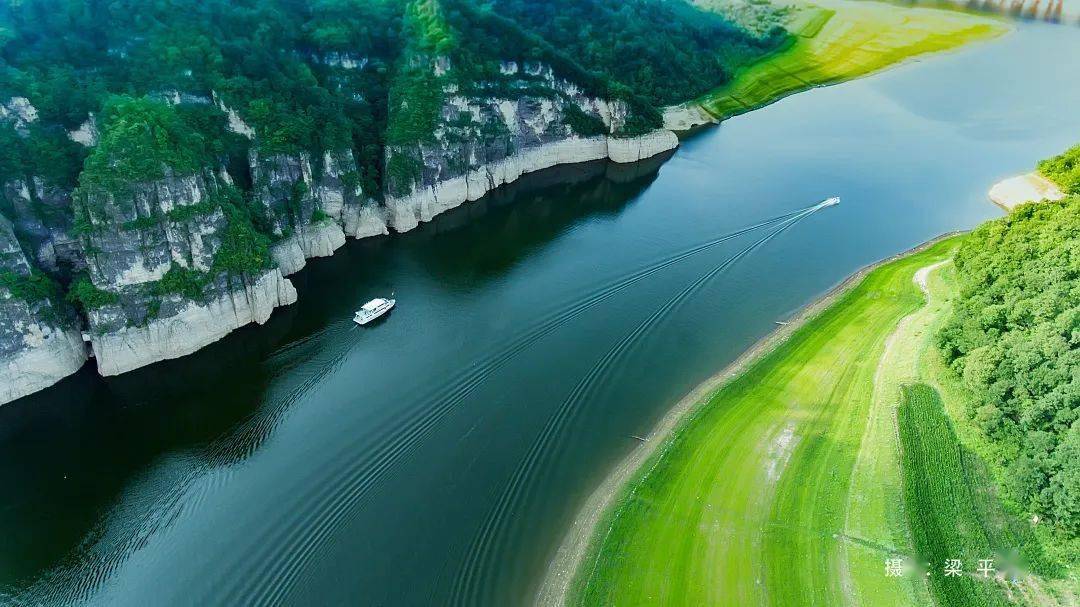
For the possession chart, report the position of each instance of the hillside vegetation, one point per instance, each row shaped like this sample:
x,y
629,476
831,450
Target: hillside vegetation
x,y
272,62
1064,169
666,52
1014,338
278,114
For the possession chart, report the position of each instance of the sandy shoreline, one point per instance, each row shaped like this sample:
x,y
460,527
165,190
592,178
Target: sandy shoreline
x,y
1031,187
575,544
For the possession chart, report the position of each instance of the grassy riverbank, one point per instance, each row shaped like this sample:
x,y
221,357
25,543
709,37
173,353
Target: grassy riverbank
x,y
786,486
838,40
746,500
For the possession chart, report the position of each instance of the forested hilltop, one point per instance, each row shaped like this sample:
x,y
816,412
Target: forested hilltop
x,y
164,164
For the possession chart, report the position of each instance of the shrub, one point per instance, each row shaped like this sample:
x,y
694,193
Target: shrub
x,y
83,292
32,288
140,138
244,249
182,281
586,125
1064,169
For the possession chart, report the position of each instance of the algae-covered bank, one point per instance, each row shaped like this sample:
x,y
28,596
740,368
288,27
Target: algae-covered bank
x,y
744,497
833,41
806,470
902,441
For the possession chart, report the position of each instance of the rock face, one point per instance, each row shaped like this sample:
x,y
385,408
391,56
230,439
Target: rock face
x,y
319,239
151,252
145,258
191,325
40,343
312,208
686,116
442,195
20,113
484,141
1032,187
135,238
41,215
636,149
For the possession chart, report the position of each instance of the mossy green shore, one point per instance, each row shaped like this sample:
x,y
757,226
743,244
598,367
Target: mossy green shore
x,y
838,40
795,478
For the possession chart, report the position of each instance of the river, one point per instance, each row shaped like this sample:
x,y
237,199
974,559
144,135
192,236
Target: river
x,y
436,457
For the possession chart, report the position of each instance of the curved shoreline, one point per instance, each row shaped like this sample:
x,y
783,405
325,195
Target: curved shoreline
x,y
697,112
1012,192
563,568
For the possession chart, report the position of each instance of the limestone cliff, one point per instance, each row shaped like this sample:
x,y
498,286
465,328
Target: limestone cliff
x,y
41,214
313,206
151,262
160,285
164,170
184,325
686,116
40,343
525,120
148,259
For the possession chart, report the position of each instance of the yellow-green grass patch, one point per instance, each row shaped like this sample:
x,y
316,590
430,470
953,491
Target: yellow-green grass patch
x,y
746,502
950,538
846,446
838,40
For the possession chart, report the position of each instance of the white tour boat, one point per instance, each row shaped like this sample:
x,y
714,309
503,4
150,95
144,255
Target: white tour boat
x,y
372,310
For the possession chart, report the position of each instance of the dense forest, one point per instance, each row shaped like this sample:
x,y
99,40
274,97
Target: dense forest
x,y
664,51
269,60
1014,337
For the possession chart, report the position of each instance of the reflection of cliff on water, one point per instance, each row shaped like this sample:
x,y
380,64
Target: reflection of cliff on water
x,y
481,240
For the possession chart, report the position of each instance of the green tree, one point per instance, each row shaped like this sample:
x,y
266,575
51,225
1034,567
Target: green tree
x,y
1014,337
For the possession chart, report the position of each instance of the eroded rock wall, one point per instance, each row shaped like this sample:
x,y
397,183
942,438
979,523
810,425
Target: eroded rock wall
x,y
483,141
134,239
313,206
40,342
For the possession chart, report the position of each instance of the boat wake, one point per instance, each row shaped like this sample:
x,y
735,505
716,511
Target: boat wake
x,y
410,426
484,547
288,550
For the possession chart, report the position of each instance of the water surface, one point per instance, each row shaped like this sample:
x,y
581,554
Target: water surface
x,y
437,456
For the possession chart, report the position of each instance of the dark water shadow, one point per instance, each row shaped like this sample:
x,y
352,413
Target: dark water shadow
x,y
482,240
72,451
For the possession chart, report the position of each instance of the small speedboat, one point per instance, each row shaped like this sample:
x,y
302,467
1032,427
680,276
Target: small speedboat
x,y
372,310
828,202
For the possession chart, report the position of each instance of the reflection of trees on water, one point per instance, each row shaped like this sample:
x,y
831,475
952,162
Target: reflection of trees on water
x,y
76,448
